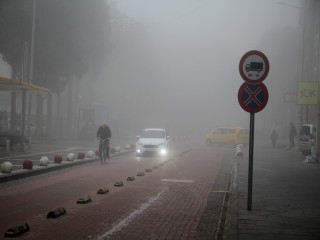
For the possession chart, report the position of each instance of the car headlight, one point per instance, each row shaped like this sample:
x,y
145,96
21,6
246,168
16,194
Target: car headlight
x,y
163,151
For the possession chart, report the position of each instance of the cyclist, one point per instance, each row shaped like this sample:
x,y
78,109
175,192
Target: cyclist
x,y
104,135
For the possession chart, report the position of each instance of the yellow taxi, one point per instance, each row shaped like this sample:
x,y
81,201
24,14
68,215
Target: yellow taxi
x,y
228,136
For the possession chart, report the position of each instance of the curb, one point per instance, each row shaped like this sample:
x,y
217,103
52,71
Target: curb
x,y
23,173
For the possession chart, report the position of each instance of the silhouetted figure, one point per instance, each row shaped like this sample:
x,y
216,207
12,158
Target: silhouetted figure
x,y
104,135
274,137
292,134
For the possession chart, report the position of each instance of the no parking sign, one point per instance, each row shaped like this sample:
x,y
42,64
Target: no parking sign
x,y
253,97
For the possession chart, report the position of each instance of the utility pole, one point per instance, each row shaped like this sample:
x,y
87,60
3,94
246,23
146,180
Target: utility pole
x,y
31,64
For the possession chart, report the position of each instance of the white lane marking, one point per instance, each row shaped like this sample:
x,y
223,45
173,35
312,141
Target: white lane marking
x,y
43,153
131,216
176,180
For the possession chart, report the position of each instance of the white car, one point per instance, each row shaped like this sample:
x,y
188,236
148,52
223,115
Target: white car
x,y
153,141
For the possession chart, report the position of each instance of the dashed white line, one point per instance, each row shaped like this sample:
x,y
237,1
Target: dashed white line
x,y
176,180
130,217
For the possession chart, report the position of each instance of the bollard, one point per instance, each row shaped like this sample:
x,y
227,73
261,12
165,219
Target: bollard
x,y
132,178
7,146
17,230
103,191
56,213
118,184
84,200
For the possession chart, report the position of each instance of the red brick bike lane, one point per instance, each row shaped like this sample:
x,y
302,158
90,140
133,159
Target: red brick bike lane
x,y
167,203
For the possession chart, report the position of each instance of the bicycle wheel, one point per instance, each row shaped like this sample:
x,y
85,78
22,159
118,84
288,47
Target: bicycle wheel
x,y
104,153
101,154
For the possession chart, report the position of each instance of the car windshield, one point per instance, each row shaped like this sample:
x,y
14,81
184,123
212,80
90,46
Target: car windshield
x,y
152,134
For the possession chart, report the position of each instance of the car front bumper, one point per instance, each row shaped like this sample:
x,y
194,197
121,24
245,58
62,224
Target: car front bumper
x,y
157,151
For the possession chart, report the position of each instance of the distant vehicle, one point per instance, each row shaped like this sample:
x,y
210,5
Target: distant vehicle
x,y
228,136
153,141
254,67
307,138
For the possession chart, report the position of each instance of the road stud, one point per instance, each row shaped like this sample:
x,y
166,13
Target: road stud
x,y
155,167
148,170
132,178
103,191
84,200
17,230
56,213
118,184
140,174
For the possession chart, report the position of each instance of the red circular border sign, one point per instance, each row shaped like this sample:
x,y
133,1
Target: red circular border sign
x,y
253,91
266,62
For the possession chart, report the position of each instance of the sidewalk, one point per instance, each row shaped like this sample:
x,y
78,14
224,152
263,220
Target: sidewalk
x,y
285,198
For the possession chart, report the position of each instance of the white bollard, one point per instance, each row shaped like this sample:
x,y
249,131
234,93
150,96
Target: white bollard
x,y
71,157
239,153
44,161
7,167
90,154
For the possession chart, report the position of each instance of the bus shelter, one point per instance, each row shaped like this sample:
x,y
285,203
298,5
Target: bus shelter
x,y
15,85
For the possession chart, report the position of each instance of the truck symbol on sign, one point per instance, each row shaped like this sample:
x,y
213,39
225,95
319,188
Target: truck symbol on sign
x,y
254,67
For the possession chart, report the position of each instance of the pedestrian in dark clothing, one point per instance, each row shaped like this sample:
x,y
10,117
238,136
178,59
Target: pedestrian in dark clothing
x,y
292,134
104,133
274,137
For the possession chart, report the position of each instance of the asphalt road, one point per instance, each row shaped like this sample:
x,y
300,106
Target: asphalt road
x,y
181,198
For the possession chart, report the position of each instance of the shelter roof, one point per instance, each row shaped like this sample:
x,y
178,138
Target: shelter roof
x,y
8,84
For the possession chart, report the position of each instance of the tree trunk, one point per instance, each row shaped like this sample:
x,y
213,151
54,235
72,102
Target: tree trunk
x,y
39,121
13,114
49,116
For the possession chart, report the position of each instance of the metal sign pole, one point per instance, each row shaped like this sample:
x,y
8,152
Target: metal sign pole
x,y
250,172
253,97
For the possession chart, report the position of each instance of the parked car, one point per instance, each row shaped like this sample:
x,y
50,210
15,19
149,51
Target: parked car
x,y
307,138
153,141
228,136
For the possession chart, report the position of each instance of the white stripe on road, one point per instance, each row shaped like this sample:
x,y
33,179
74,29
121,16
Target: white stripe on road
x,y
129,218
176,180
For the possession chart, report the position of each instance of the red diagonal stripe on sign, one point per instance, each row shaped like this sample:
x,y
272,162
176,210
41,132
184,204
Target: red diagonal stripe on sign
x,y
252,95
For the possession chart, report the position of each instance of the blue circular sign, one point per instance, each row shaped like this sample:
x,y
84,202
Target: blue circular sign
x,y
253,97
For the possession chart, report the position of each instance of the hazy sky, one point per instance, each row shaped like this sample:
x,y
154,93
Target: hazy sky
x,y
175,64
197,45
214,16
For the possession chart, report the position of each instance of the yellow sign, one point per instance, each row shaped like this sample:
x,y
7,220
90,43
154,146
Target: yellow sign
x,y
307,93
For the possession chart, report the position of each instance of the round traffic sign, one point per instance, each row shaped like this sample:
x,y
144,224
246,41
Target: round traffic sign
x,y
254,67
253,97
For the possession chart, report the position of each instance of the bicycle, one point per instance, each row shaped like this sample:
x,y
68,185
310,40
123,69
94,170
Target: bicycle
x,y
104,147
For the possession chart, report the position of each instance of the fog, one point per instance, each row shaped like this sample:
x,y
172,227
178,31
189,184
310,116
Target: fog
x,y
175,65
